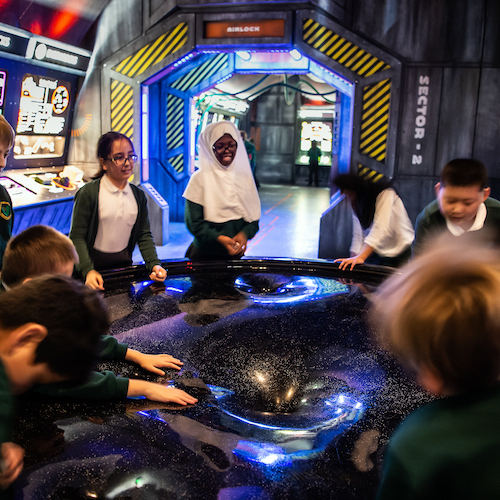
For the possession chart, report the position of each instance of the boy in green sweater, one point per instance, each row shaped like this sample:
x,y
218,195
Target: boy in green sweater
x,y
441,317
463,205
43,250
39,345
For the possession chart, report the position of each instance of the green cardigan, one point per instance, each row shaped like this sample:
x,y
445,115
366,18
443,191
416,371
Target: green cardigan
x,y
6,220
100,385
6,407
206,233
85,221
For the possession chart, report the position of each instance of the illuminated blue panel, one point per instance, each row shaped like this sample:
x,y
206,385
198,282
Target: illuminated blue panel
x,y
271,62
332,78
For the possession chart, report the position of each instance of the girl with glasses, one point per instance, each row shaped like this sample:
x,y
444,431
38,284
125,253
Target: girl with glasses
x,y
110,216
222,203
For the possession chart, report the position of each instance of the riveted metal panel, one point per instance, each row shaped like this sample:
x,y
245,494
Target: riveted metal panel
x,y
376,77
341,50
419,131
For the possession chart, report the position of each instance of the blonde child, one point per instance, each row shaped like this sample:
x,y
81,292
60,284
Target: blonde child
x,y
441,317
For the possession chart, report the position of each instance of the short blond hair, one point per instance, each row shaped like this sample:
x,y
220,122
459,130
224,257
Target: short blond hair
x,y
7,133
35,251
442,313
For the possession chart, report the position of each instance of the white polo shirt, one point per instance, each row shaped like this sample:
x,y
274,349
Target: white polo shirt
x,y
117,215
478,222
391,231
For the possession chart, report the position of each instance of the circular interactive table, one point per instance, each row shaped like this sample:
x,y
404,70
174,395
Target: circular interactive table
x,y
295,402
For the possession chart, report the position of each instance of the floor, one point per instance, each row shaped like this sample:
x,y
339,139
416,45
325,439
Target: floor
x,y
289,225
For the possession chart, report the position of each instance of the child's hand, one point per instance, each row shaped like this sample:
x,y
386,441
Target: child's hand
x,y
242,240
12,463
352,261
158,392
153,362
94,280
158,274
232,246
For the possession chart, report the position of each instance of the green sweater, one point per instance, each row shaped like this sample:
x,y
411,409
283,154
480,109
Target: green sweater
x,y
430,221
100,385
446,449
6,220
206,233
6,407
85,221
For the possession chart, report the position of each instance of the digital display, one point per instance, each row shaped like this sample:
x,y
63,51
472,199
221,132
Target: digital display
x,y
43,117
245,29
318,131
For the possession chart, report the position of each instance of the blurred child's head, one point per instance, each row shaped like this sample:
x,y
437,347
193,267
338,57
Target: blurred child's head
x,y
462,189
441,315
35,251
6,140
50,329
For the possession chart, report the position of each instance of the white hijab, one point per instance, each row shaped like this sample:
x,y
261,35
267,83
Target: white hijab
x,y
226,193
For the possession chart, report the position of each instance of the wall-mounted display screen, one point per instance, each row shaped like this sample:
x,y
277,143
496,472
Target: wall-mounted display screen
x,y
319,131
43,117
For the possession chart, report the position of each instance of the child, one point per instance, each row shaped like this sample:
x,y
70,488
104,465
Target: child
x,y
6,213
222,203
43,250
39,345
462,204
110,216
441,317
382,231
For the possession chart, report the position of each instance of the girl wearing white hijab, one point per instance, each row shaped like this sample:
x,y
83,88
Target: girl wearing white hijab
x,y
222,203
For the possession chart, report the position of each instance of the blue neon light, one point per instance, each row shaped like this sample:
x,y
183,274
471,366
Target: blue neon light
x,y
264,453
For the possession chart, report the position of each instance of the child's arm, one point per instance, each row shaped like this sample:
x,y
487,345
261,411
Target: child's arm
x,y
153,362
112,350
158,392
106,385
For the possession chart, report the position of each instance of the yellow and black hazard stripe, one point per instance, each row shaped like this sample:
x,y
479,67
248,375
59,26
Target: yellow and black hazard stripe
x,y
122,108
175,121
175,104
369,173
375,120
341,50
207,69
177,163
154,52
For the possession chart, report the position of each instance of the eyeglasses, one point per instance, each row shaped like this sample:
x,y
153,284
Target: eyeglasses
x,y
220,149
121,160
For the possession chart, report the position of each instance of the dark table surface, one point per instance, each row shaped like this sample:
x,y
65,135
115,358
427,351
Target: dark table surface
x,y
300,402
